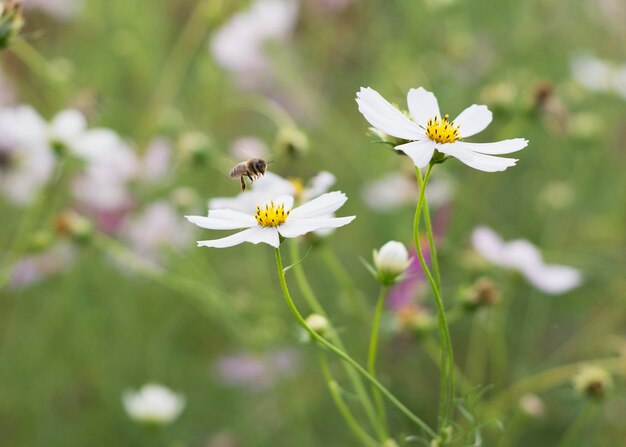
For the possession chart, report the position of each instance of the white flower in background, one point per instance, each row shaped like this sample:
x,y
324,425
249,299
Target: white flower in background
x,y
110,166
274,219
238,45
245,148
37,267
66,128
396,190
391,261
532,405
26,160
59,9
156,163
428,130
524,257
599,75
153,404
272,185
157,228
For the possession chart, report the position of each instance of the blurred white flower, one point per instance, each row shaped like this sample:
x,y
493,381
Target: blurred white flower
x,y
157,228
428,130
532,405
153,404
67,127
245,148
238,45
274,219
59,9
391,261
37,267
26,159
110,166
396,190
524,257
599,75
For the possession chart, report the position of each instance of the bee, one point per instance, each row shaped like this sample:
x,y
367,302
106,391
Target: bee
x,y
253,169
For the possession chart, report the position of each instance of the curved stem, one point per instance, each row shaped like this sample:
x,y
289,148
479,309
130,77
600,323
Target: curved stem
x,y
431,239
572,435
447,362
342,355
371,359
335,392
317,307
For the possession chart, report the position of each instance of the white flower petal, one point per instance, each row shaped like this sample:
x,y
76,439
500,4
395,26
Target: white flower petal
x,y
486,163
320,206
385,117
267,235
488,244
285,200
472,120
554,279
233,239
223,220
423,105
496,148
420,152
298,227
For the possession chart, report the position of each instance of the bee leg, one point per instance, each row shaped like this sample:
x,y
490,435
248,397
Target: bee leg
x,y
243,183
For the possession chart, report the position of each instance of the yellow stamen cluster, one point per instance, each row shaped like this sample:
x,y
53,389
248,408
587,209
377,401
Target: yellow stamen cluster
x,y
297,186
442,130
272,215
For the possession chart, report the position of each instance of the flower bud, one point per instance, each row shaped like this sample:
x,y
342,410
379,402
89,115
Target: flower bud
x,y
593,382
11,20
291,142
532,405
318,323
74,226
195,147
483,293
391,261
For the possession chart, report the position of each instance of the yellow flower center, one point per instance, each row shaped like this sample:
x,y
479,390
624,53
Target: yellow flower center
x,y
442,130
297,186
272,215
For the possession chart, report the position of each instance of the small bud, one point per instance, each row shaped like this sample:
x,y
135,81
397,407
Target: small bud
x,y
593,382
532,405
11,21
291,142
390,443
414,319
391,261
483,293
318,323
74,226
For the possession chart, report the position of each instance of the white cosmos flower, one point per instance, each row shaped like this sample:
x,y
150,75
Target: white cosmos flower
x,y
524,257
599,75
153,404
427,129
273,219
391,261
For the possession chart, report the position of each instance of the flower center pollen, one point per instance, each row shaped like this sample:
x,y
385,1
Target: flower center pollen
x,y
442,130
272,215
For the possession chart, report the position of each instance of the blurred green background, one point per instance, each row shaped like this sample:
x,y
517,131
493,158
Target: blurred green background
x,y
72,343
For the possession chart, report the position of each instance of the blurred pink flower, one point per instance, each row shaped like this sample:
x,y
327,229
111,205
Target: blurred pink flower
x,y
238,46
256,371
37,267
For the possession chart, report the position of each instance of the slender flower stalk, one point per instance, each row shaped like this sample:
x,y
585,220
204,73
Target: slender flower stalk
x,y
342,355
316,306
371,359
335,392
447,360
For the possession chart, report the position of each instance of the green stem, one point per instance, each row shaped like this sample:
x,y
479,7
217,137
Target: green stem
x,y
447,369
572,435
431,239
317,307
335,392
342,355
371,359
